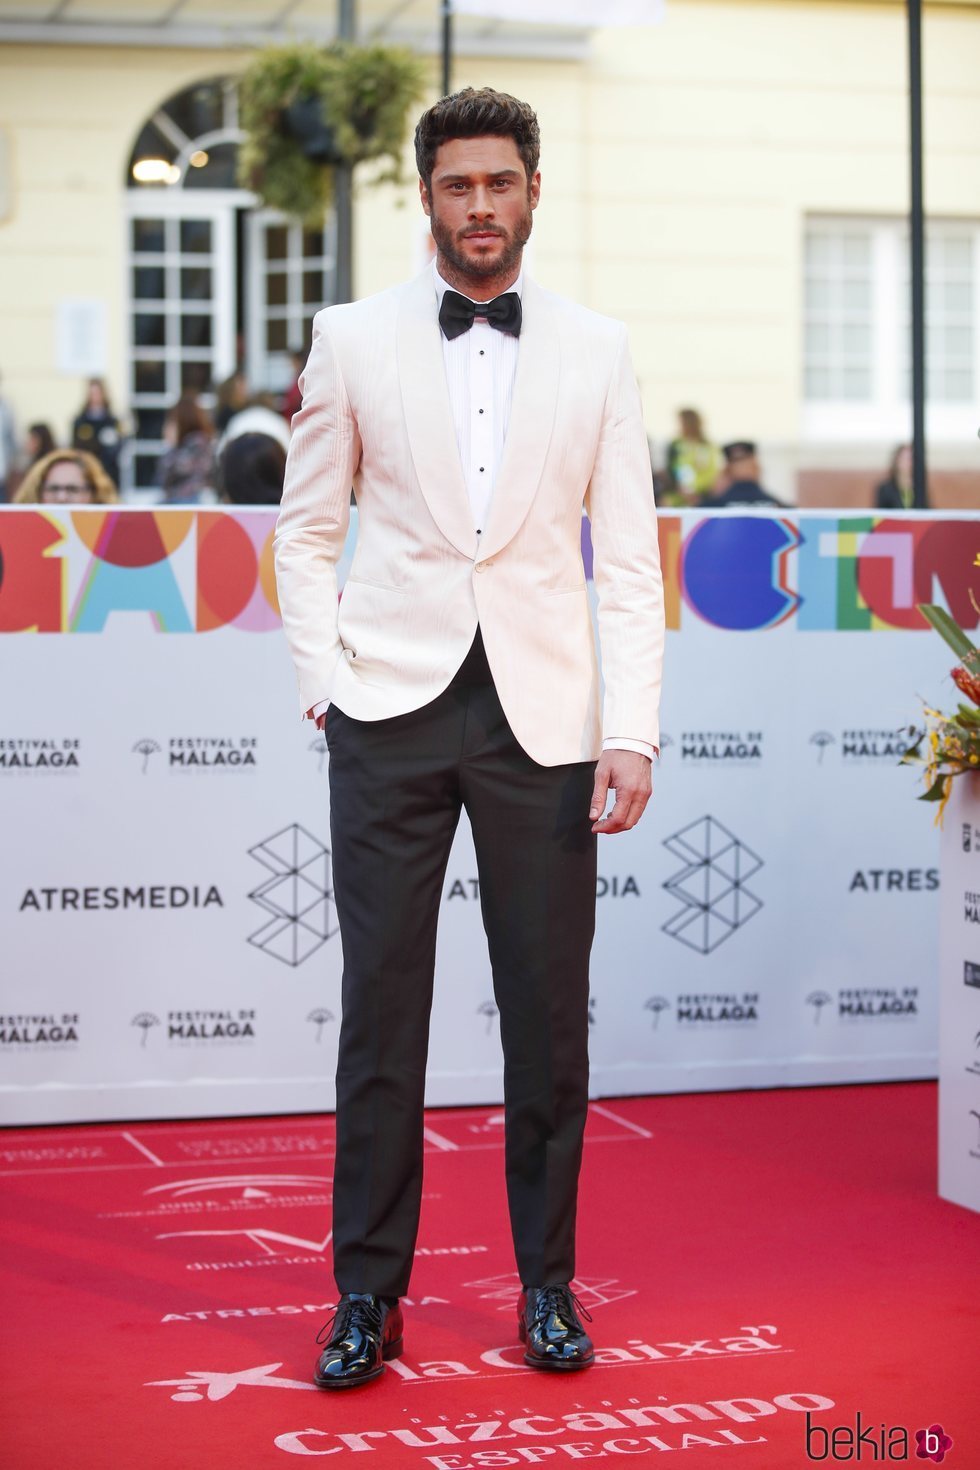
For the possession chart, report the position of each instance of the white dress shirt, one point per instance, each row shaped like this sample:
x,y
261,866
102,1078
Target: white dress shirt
x,y
480,368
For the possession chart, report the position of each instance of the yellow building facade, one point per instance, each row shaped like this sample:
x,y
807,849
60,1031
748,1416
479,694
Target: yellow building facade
x,y
732,183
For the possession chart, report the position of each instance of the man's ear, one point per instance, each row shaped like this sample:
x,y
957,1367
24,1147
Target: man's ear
x,y
424,196
534,189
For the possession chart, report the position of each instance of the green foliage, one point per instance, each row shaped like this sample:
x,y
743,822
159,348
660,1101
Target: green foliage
x,y
365,93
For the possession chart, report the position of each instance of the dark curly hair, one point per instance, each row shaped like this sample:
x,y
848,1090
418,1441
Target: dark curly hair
x,y
477,113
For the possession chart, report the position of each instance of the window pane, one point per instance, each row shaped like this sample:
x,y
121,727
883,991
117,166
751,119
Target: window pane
x,y
817,382
148,235
856,295
276,242
145,469
957,343
857,251
195,236
857,383
148,283
818,294
957,296
218,170
312,287
312,243
149,423
856,340
195,283
150,377
958,386
276,290
149,331
957,255
817,339
195,375
276,336
817,251
195,331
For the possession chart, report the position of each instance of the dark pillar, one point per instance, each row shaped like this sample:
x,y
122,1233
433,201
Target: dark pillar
x,y
917,263
447,47
343,183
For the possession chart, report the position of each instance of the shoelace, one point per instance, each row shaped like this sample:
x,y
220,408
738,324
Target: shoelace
x,y
364,1315
558,1299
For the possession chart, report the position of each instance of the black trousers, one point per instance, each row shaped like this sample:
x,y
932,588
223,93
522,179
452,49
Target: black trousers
x,y
396,790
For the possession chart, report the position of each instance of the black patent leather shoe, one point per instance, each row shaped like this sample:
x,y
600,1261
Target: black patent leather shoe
x,y
551,1329
361,1335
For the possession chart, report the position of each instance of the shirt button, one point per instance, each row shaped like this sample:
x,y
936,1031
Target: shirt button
x,y
481,469
481,410
481,352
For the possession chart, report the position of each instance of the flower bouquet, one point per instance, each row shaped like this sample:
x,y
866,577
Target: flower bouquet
x,y
949,744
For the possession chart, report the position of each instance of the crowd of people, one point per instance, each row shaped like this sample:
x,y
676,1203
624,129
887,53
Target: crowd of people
x,y
235,453
698,472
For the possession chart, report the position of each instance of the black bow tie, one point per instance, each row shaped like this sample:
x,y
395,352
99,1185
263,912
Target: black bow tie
x,y
457,313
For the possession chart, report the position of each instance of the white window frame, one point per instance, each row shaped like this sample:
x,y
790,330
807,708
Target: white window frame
x,y
218,206
887,414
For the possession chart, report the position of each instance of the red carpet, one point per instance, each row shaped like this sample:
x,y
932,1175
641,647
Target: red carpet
x,y
745,1256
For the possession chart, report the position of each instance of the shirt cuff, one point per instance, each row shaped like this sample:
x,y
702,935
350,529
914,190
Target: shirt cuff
x,y
642,747
319,709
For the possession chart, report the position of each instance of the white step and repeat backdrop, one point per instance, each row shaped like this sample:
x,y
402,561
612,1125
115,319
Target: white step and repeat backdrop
x,y
169,939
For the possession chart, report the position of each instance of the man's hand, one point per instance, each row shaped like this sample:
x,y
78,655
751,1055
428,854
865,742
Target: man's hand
x,y
628,774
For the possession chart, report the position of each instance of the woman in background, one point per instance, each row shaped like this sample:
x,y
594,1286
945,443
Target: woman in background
x,y
66,477
693,462
897,491
187,466
96,429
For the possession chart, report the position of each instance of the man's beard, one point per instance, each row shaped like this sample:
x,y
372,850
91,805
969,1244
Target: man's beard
x,y
474,268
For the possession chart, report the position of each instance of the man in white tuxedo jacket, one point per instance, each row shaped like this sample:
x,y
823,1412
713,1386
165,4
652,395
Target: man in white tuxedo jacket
x,y
475,415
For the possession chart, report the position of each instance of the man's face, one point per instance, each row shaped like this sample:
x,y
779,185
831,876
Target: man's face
x,y
480,203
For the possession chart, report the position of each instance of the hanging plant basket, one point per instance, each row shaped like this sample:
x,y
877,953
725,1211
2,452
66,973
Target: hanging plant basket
x,y
307,110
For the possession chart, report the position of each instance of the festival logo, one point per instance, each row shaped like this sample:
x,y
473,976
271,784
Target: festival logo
x,y
818,999
198,1027
319,1018
726,1009
41,756
488,1010
146,747
721,747
866,1003
656,1004
200,753
298,896
867,747
40,1031
971,907
711,884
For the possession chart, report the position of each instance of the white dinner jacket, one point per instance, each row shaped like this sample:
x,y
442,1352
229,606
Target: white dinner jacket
x,y
376,416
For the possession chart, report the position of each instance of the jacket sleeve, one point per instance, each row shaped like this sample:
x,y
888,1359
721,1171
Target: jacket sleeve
x,y
324,453
629,584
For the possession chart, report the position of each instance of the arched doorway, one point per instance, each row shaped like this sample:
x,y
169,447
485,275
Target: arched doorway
x,y
214,281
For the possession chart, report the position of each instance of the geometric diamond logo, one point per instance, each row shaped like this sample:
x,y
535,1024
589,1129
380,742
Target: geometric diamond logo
x,y
710,884
298,895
